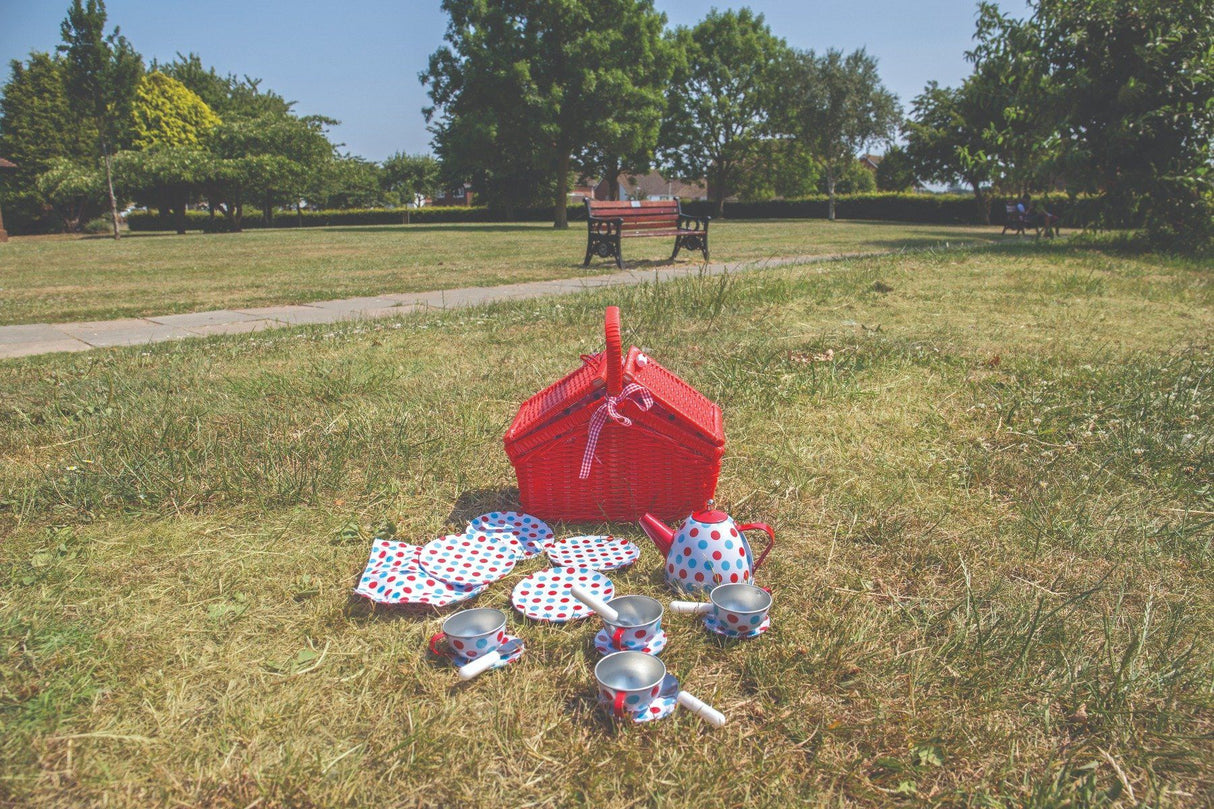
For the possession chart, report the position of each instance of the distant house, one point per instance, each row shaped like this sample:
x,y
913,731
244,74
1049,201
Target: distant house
x,y
871,161
459,195
652,186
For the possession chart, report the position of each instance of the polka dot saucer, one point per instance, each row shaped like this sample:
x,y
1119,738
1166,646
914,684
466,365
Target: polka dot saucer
x,y
533,534
594,552
710,621
663,704
510,651
464,560
545,596
654,646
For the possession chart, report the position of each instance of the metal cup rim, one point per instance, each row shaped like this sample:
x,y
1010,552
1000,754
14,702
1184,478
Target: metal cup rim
x,y
622,625
712,597
463,614
645,687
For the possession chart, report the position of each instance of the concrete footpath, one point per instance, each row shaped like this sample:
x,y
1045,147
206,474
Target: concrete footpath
x,y
47,338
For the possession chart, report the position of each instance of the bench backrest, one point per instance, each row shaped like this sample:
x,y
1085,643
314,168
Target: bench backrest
x,y
638,214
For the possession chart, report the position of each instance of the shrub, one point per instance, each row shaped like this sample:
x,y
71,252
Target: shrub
x,y
101,224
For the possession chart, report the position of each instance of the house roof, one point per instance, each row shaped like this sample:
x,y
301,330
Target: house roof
x,y
872,160
6,164
653,184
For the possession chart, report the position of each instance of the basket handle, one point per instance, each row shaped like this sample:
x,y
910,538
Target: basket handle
x,y
614,357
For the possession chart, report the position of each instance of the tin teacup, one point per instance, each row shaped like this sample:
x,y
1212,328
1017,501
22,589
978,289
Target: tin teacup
x,y
473,633
734,609
638,622
629,681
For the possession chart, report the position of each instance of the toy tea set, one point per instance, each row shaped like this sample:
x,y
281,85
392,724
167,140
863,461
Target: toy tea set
x,y
623,439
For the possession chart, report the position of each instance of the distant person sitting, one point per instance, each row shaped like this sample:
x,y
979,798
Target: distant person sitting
x,y
1045,222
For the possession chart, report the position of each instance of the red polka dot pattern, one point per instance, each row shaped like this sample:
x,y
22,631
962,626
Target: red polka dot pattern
x,y
464,560
594,552
545,596
532,533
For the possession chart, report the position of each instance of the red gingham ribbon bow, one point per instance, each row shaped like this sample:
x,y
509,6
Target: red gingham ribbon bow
x,y
609,410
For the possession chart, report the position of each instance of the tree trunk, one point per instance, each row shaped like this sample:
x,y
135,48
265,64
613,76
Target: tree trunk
x,y
612,176
267,211
180,199
299,214
562,191
717,192
109,183
830,193
984,204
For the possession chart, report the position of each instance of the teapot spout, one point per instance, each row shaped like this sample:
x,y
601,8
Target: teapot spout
x,y
661,534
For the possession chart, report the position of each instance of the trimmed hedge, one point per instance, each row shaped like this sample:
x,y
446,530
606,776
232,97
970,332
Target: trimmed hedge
x,y
951,209
202,220
924,208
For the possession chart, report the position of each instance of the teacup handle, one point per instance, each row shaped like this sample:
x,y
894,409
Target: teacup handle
x,y
762,526
434,641
617,704
691,607
617,638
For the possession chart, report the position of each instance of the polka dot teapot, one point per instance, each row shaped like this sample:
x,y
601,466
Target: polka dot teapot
x,y
709,549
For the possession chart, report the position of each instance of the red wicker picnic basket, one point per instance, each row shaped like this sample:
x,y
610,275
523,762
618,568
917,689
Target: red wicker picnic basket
x,y
617,438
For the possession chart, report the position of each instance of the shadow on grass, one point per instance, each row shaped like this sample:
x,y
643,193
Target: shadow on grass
x,y
475,502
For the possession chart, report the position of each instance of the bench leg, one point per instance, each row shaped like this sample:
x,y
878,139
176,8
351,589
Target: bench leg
x,y
589,251
691,241
619,258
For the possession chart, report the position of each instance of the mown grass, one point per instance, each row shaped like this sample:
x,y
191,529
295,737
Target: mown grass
x,y
989,472
56,279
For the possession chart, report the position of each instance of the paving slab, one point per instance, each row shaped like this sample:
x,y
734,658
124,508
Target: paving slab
x,y
194,320
29,349
236,327
358,304
125,332
30,333
295,315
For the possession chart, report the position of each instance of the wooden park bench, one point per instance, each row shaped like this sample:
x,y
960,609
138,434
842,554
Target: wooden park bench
x,y
1015,220
609,221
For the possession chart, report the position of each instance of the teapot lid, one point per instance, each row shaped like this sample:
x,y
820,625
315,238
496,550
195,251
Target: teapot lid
x,y
709,514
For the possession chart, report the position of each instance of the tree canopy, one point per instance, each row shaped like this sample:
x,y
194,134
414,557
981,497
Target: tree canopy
x,y
721,99
523,86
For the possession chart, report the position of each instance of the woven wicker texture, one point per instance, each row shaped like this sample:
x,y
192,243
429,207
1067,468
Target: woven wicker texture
x,y
666,463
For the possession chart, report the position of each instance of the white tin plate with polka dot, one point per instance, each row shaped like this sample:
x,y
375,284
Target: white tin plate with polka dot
x,y
594,552
532,532
461,559
404,586
545,596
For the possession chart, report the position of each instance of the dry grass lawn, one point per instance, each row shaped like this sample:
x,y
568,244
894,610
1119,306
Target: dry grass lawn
x,y
992,579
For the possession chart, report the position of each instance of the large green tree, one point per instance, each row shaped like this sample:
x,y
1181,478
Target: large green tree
x,y
523,86
1135,95
167,113
408,176
170,164
101,73
839,107
37,129
948,138
722,100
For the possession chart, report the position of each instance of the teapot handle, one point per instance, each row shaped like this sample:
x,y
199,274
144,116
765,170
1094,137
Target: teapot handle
x,y
750,526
